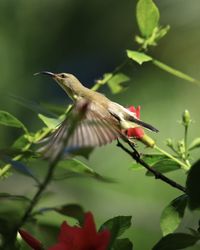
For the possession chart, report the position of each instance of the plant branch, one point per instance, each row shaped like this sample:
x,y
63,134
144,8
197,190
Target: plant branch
x,y
36,197
103,81
135,155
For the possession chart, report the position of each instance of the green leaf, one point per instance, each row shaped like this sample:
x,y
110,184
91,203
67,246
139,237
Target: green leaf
x,y
160,162
147,15
193,186
173,214
174,72
78,168
194,144
117,226
84,152
157,34
14,197
72,210
9,120
122,244
106,77
21,168
152,159
49,122
13,152
138,57
175,241
116,82
164,166
21,142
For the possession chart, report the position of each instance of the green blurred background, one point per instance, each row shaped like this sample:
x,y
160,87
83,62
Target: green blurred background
x,y
89,38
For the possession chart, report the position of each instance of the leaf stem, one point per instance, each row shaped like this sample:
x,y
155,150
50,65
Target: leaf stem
x,y
183,165
186,147
36,197
103,81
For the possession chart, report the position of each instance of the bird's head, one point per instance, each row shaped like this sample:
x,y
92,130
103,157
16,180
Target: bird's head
x,y
66,81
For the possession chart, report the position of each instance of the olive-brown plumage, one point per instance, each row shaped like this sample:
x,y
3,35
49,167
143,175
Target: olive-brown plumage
x,y
103,121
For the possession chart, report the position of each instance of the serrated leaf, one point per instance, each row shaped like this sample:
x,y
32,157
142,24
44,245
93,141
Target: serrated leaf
x,y
175,241
138,57
147,15
193,186
7,119
173,214
49,122
81,169
174,72
72,210
116,82
117,226
194,144
123,244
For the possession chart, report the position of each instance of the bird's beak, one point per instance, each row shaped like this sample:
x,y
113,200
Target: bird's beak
x,y
45,73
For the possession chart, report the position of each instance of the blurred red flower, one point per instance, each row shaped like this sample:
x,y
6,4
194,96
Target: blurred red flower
x,y
82,238
30,240
136,132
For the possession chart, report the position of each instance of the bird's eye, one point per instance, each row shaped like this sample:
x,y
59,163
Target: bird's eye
x,y
62,75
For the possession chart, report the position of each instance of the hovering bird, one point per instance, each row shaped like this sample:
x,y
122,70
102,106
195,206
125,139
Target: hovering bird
x,y
103,121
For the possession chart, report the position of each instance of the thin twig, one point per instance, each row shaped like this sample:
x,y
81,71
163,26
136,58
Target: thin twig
x,y
136,156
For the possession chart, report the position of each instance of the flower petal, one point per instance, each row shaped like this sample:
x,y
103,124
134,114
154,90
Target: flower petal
x,y
103,240
135,132
30,240
60,246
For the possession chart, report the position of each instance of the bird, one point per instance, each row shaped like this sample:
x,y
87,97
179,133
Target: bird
x,y
103,120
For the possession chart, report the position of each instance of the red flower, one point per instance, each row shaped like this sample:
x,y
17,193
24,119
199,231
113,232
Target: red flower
x,y
136,132
30,240
82,238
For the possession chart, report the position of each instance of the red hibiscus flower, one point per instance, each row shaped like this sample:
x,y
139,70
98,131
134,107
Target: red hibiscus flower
x,y
136,132
30,240
82,238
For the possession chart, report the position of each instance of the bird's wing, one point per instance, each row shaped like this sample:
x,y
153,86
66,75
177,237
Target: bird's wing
x,y
97,127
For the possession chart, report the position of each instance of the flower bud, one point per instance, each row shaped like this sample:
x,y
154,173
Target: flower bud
x,y
186,118
169,142
181,147
148,141
30,240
